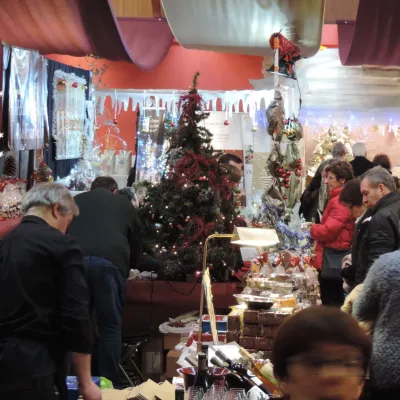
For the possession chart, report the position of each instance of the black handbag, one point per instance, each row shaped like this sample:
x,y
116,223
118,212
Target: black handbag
x,y
332,263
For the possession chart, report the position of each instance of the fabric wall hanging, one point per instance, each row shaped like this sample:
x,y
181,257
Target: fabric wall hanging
x,y
69,106
27,100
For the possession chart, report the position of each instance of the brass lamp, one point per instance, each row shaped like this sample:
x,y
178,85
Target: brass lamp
x,y
259,238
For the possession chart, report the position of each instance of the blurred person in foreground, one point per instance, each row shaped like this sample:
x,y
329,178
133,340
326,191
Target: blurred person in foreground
x,y
360,164
315,196
379,301
108,231
43,301
321,354
383,160
333,235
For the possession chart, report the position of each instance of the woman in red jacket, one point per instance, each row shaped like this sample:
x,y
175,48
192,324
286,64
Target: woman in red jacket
x,y
335,231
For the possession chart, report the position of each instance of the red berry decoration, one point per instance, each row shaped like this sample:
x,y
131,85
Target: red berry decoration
x,y
288,173
172,124
284,198
287,185
226,122
115,121
286,180
280,171
75,85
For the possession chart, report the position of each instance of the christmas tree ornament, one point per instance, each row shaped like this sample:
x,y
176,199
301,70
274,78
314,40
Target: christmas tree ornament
x,y
43,173
172,124
226,122
74,85
10,166
115,121
254,129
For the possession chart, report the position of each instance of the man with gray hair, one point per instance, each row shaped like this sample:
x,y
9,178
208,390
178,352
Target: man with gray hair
x,y
380,224
44,311
360,164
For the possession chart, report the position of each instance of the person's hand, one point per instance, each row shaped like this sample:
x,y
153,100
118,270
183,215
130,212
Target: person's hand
x,y
89,391
346,261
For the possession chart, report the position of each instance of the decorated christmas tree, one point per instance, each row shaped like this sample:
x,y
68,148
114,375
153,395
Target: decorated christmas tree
x,y
10,166
43,173
326,139
193,200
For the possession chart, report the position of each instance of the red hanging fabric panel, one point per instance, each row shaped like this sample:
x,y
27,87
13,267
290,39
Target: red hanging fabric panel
x,y
374,39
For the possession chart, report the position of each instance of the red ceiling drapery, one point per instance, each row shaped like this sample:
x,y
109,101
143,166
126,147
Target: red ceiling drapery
x,y
81,27
374,39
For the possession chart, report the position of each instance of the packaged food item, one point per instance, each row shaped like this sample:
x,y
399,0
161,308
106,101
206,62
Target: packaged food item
x,y
250,330
250,317
262,343
247,342
268,331
234,320
232,336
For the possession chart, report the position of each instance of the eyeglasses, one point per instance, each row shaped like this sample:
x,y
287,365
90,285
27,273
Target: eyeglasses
x,y
326,367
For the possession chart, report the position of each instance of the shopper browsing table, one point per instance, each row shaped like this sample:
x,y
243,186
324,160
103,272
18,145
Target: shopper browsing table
x,y
379,301
43,301
108,231
335,232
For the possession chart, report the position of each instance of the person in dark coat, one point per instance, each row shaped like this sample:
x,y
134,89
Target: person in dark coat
x,y
44,300
360,164
108,230
379,301
379,229
315,196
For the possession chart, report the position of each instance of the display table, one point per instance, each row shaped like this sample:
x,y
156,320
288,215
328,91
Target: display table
x,y
8,225
149,303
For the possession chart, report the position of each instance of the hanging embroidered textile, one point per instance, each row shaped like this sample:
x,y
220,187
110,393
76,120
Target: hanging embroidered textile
x,y
69,106
28,97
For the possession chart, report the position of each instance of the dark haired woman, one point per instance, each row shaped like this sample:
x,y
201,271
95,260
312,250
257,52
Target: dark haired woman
x,y
321,353
384,161
357,264
335,232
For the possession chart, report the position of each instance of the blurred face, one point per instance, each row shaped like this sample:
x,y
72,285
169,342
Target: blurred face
x,y
372,195
325,177
330,372
239,166
357,211
333,182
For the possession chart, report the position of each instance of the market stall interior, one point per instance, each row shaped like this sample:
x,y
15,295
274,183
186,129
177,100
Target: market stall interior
x,y
218,138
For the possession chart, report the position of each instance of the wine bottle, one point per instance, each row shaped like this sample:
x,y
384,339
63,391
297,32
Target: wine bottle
x,y
179,394
204,350
263,371
238,376
202,378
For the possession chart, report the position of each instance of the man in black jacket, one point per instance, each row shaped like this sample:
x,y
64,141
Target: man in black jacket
x,y
360,164
108,231
43,302
381,223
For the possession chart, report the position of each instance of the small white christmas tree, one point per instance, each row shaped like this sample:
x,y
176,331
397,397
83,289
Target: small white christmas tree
x,y
326,139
